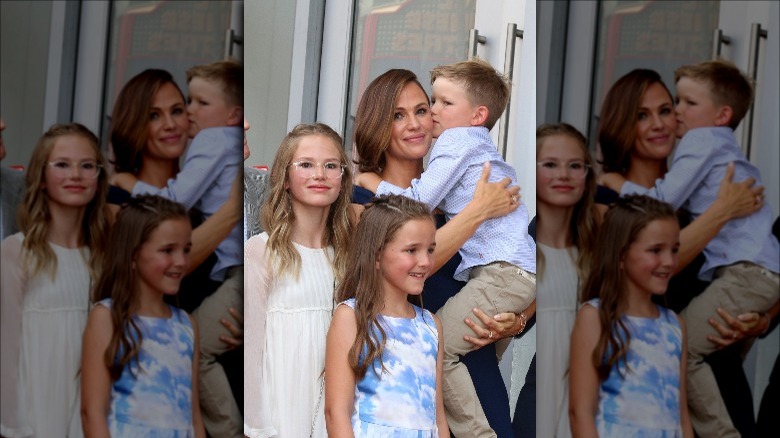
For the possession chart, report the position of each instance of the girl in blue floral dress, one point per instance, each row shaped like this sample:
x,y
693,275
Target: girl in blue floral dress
x,y
383,359
627,360
138,357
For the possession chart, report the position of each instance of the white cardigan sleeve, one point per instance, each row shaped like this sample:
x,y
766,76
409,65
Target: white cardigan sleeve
x,y
257,286
13,284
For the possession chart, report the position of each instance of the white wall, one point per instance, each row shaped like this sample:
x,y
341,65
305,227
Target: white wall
x,y
269,28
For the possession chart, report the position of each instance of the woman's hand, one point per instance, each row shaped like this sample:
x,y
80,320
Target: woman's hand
x,y
739,199
495,199
236,338
502,325
746,325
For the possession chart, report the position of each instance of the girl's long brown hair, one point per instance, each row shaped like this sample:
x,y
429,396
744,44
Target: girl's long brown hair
x,y
582,229
134,224
33,215
606,279
374,117
378,225
278,217
619,116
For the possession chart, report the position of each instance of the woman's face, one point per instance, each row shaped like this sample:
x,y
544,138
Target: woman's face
x,y
168,125
560,180
412,125
656,126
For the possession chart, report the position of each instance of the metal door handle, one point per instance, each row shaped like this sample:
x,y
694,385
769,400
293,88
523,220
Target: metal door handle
x,y
512,33
230,39
474,38
756,33
717,43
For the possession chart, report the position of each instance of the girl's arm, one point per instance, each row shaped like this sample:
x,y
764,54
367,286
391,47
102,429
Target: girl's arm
x,y
441,417
734,200
95,377
208,235
583,377
685,419
13,284
490,200
197,420
339,377
257,414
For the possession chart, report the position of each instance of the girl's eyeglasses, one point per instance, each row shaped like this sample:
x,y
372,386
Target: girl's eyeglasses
x,y
87,169
309,169
575,169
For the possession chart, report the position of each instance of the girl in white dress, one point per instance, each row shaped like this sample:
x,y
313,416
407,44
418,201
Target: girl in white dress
x,y
383,368
47,270
290,273
565,190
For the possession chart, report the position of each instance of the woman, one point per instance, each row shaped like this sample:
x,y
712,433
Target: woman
x,y
392,136
148,137
637,133
565,188
149,134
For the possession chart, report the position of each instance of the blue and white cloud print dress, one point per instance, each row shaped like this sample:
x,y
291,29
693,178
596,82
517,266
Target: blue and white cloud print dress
x,y
645,401
157,402
401,401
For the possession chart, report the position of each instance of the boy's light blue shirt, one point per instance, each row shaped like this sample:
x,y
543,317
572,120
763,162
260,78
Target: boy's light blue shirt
x,y
210,168
693,181
448,183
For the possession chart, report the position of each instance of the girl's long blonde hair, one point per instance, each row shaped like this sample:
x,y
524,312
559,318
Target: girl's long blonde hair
x,y
277,215
606,279
33,215
582,228
378,225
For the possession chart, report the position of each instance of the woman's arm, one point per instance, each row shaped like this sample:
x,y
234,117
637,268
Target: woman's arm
x,y
734,200
583,377
746,325
207,236
503,325
339,377
197,420
490,200
685,419
441,417
95,377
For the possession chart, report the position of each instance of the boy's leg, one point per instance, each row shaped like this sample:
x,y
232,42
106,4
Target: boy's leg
x,y
739,288
493,288
219,409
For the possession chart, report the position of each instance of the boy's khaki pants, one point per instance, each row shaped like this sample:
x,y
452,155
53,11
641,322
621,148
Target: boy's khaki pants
x,y
219,409
495,288
738,288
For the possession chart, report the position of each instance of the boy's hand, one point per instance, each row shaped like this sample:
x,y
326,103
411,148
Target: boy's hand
x,y
368,180
612,180
125,181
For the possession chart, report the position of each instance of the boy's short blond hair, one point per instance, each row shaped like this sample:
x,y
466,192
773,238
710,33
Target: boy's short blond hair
x,y
481,82
727,85
228,74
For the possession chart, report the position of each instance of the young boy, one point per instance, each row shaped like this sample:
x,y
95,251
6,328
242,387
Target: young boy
x,y
743,259
211,166
499,260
